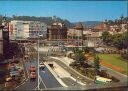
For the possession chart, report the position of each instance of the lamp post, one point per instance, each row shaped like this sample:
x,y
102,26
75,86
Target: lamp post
x,y
38,41
38,58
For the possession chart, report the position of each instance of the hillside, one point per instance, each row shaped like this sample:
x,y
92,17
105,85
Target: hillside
x,y
89,23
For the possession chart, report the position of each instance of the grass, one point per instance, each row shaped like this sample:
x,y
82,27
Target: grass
x,y
115,59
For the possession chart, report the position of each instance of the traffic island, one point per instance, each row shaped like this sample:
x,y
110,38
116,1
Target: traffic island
x,y
54,74
64,76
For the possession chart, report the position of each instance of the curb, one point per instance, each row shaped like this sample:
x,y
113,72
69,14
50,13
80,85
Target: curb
x,y
54,74
78,81
73,69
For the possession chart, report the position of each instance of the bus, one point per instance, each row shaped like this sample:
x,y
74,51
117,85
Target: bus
x,y
102,80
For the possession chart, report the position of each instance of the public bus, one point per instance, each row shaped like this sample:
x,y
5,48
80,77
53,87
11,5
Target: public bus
x,y
102,80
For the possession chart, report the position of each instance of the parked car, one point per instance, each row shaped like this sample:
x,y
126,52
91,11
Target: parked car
x,y
32,68
32,75
41,66
15,73
8,79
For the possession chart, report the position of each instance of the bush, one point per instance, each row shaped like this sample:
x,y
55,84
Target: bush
x,y
125,56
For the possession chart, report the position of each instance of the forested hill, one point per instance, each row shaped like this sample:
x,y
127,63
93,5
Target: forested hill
x,y
47,20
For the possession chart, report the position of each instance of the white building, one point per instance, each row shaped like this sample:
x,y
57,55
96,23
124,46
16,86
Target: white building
x,y
26,29
35,27
92,39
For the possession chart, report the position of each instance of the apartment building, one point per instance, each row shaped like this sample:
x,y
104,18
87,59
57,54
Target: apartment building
x,y
37,28
75,36
26,29
57,31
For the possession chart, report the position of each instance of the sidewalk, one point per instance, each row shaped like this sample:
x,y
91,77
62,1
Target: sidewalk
x,y
64,76
62,73
55,75
74,73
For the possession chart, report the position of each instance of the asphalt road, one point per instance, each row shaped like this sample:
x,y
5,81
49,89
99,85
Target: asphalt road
x,y
74,74
47,80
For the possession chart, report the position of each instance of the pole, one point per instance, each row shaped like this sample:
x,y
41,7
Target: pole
x,y
38,59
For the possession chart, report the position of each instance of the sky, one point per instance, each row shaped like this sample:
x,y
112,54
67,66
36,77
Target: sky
x,y
73,11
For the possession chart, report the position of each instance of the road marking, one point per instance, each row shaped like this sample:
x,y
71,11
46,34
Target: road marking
x,y
40,83
22,83
43,82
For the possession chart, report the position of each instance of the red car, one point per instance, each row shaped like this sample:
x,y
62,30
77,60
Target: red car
x,y
32,75
32,68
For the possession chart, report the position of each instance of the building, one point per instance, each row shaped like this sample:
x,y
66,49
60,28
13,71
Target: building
x,y
35,28
92,36
100,27
26,29
1,42
18,29
92,39
4,32
57,31
115,29
75,36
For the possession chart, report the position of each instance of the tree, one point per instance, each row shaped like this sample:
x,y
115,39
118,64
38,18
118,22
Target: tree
x,y
86,49
125,40
96,64
106,37
118,41
80,57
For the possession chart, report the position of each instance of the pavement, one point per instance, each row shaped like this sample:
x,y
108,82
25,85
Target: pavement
x,y
72,72
63,76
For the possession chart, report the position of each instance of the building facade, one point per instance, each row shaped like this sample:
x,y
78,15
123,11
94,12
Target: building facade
x,y
57,31
5,37
92,39
1,42
35,28
26,29
75,36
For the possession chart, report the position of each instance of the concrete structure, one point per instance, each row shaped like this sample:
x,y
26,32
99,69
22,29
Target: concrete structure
x,y
75,36
26,29
35,27
115,29
19,29
57,31
1,41
92,39
5,37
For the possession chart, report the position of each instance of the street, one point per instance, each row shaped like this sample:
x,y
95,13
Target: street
x,y
74,74
47,80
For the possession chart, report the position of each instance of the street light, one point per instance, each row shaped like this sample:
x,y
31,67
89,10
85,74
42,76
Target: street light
x,y
38,41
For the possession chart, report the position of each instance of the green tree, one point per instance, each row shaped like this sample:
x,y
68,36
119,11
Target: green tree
x,y
106,37
96,64
117,40
125,40
86,49
80,57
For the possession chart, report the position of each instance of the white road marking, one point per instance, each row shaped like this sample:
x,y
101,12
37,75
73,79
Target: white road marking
x,y
43,82
40,82
22,83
